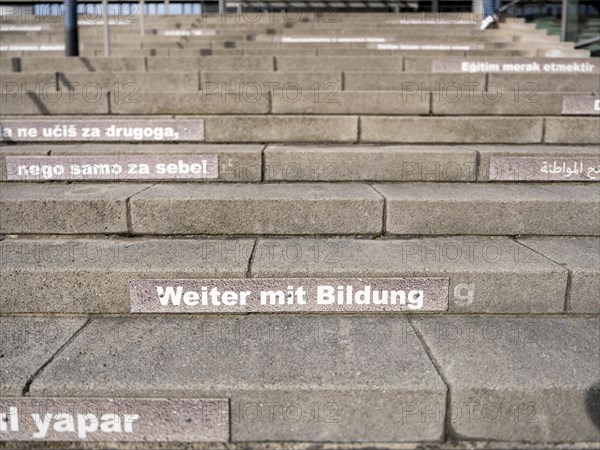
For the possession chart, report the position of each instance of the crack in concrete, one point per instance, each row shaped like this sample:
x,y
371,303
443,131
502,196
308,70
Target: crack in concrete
x,y
27,387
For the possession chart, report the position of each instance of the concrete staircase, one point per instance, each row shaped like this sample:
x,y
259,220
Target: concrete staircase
x,y
328,149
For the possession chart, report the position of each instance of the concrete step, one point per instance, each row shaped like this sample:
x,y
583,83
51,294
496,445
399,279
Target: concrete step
x,y
47,82
421,162
510,84
287,98
234,163
292,128
507,82
244,209
254,163
303,63
455,65
485,275
329,362
140,64
479,130
282,372
245,155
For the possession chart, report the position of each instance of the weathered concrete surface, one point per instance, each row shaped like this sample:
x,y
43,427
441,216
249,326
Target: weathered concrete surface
x,y
540,385
65,209
486,152
127,85
492,209
343,63
292,364
270,81
14,150
335,101
465,129
284,128
216,63
27,344
221,102
413,83
55,102
82,276
366,163
582,258
529,82
487,275
496,102
572,130
257,209
42,64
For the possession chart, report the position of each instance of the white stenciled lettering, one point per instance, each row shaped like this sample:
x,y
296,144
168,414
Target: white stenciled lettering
x,y
346,295
82,424
64,423
170,295
42,425
130,419
9,421
141,133
86,423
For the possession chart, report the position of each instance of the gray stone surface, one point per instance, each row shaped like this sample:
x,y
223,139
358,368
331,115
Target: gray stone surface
x,y
339,63
56,102
491,209
582,258
65,209
486,152
129,84
417,64
14,150
335,101
20,82
518,130
62,64
116,420
257,209
411,82
220,101
365,163
520,379
79,276
544,82
583,105
211,63
272,80
252,51
294,365
281,129
283,445
27,344
7,65
496,102
487,275
572,130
